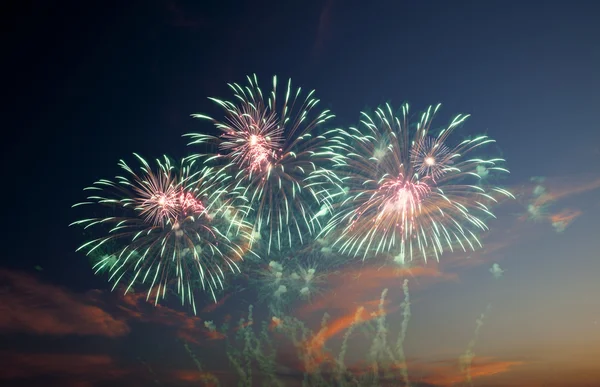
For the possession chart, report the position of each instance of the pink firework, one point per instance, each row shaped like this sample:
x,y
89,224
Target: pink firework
x,y
411,193
402,198
276,159
156,198
393,207
253,138
170,227
160,198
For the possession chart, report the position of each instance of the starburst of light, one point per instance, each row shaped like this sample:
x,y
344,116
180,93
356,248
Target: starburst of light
x,y
409,192
167,226
271,147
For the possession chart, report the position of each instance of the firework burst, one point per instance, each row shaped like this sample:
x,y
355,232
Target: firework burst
x,y
173,225
270,146
409,192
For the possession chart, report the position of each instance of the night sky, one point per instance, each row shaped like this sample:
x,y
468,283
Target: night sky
x,y
88,84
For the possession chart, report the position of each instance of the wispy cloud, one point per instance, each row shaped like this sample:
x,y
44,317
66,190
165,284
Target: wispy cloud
x,y
136,307
361,284
562,188
66,369
30,306
561,220
542,199
447,373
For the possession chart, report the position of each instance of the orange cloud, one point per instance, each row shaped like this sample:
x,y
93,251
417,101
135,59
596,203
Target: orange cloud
x,y
360,285
313,349
213,306
567,189
189,328
438,374
490,251
207,379
56,365
562,219
553,191
29,306
448,373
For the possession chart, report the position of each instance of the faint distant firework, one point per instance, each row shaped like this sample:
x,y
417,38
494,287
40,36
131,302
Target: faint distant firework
x,y
541,203
286,281
411,192
169,225
496,270
537,206
278,161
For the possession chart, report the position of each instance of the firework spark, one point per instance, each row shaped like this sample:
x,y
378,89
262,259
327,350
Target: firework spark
x,y
409,192
278,161
171,227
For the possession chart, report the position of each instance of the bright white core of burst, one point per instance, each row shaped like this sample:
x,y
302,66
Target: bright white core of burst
x,y
429,161
253,140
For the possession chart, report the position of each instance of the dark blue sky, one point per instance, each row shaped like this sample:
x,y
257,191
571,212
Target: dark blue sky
x,y
89,83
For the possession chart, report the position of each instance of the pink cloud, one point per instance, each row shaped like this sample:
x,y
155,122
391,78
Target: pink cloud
x,y
30,306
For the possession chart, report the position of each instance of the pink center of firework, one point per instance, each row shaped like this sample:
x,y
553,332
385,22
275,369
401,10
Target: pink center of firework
x,y
402,197
258,152
164,201
396,203
159,207
252,138
169,207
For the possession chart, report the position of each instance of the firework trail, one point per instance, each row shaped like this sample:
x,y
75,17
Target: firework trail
x,y
466,359
166,225
400,343
270,147
409,192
